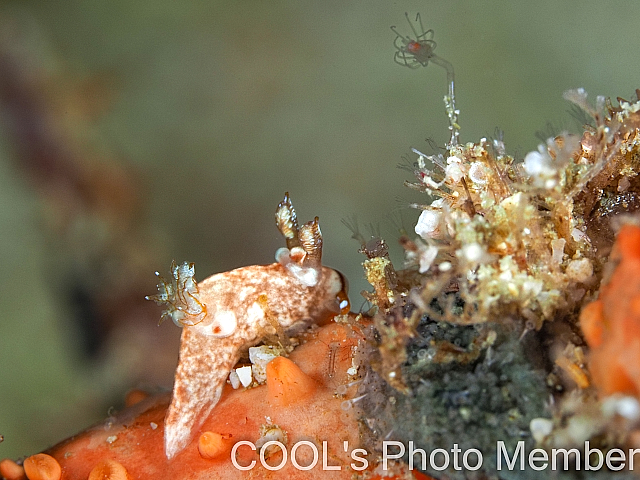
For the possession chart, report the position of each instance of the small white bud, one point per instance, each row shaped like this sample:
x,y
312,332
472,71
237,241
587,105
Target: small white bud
x,y
428,225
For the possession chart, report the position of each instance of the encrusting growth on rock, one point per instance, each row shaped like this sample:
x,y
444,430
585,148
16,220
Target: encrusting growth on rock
x,y
333,356
480,328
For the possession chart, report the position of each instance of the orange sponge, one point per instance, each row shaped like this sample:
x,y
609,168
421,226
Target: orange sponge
x,y
611,324
628,242
592,324
307,382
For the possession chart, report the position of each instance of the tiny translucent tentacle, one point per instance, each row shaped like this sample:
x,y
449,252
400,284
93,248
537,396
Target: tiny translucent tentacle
x,y
416,53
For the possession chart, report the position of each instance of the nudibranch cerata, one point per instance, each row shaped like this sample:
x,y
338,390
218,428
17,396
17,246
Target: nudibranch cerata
x,y
229,312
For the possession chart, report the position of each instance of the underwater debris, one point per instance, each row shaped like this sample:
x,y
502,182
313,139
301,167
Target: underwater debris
x,y
392,328
528,240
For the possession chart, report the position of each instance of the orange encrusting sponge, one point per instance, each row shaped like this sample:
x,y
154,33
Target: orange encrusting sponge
x,y
592,324
611,324
299,399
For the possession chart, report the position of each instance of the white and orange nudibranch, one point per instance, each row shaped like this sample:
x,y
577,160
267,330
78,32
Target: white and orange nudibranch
x,y
229,312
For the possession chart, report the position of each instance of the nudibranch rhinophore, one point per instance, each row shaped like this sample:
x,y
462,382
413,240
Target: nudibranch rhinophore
x,y
229,312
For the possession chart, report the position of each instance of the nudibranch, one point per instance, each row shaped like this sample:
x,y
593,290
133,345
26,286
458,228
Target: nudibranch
x,y
229,312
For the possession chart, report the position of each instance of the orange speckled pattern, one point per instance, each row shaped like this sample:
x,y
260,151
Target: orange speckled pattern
x,y
611,324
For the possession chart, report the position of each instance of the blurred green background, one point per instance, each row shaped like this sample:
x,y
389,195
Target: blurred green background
x,y
219,108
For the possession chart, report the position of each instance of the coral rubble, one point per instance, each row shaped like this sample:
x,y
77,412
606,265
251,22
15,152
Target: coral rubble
x,y
528,239
480,329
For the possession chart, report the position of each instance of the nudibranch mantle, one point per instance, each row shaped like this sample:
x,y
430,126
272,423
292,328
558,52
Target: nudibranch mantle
x,y
238,309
